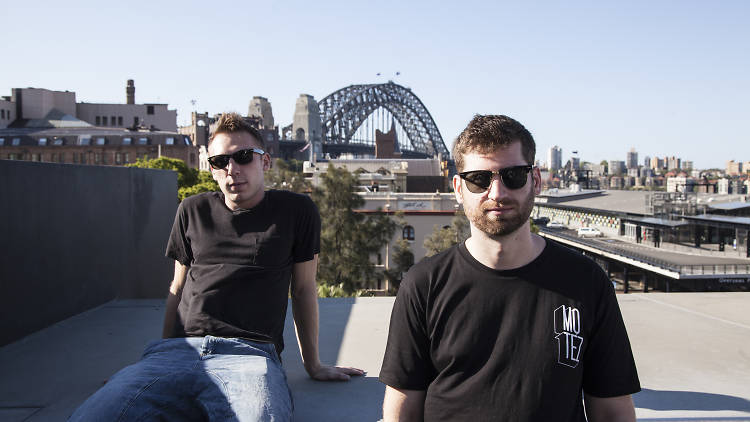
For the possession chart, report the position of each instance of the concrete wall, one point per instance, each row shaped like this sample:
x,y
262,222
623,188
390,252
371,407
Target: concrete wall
x,y
37,102
74,236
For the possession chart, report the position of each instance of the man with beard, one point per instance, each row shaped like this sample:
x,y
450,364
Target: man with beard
x,y
507,326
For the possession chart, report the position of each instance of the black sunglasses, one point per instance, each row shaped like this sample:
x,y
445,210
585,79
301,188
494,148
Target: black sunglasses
x,y
242,156
478,181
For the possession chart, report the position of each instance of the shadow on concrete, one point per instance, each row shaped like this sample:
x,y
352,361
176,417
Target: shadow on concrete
x,y
359,399
690,400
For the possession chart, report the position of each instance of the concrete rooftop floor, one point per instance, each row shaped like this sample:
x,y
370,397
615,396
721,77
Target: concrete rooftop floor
x,y
692,352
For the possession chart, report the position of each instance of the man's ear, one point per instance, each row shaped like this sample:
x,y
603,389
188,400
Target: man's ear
x,y
457,189
266,162
537,176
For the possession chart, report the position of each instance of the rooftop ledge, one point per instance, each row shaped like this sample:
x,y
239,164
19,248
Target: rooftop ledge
x,y
691,350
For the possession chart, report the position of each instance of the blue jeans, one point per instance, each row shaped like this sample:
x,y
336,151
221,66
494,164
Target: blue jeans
x,y
195,379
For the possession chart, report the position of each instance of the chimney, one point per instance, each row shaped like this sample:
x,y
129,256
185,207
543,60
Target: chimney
x,y
130,92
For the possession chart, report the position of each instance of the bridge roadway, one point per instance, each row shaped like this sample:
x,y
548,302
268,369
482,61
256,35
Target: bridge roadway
x,y
692,351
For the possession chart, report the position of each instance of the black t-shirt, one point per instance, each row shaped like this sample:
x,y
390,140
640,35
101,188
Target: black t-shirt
x,y
241,263
515,345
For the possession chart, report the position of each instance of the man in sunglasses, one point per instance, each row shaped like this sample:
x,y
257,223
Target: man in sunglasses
x,y
236,252
507,326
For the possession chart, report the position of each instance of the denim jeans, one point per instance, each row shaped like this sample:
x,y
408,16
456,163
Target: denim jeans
x,y
195,379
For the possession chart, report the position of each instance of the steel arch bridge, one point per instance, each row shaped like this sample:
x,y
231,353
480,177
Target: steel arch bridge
x,y
344,111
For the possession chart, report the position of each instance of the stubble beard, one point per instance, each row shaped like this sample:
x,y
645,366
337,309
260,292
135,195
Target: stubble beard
x,y
501,225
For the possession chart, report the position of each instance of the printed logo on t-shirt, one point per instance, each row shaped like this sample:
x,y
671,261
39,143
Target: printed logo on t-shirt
x,y
567,333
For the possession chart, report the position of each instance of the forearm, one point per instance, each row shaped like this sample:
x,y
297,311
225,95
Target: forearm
x,y
305,312
170,315
403,405
173,299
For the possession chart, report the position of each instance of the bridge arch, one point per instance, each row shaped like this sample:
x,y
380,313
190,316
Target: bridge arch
x,y
344,111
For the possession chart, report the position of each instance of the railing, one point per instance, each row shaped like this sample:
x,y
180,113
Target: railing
x,y
706,269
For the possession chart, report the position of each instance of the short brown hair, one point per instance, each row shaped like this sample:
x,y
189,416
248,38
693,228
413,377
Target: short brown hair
x,y
233,123
488,133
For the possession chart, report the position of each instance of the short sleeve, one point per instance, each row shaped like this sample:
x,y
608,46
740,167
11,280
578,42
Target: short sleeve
x,y
178,246
407,363
610,368
307,233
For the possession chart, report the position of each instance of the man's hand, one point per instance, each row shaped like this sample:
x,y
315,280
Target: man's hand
x,y
333,373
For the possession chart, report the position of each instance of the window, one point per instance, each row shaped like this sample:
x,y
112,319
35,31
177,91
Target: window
x,y
42,142
127,157
101,141
12,157
62,158
2,141
52,157
118,158
16,141
98,121
170,141
75,158
58,141
142,141
408,233
127,141
83,158
104,120
135,121
192,158
2,114
119,120
97,157
187,140
36,157
84,140
149,109
113,120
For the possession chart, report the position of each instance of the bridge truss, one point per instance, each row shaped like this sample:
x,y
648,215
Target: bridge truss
x,y
345,113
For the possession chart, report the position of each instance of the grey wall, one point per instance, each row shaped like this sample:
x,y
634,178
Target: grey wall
x,y
74,236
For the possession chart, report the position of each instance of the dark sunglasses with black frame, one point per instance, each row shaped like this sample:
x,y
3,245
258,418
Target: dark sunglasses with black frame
x,y
243,156
478,181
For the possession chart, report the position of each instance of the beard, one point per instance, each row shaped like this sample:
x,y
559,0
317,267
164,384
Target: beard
x,y
501,225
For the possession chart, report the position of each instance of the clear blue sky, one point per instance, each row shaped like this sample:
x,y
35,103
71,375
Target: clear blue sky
x,y
665,77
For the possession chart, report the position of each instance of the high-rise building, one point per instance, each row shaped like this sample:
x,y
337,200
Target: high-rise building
x,y
554,158
631,161
734,168
673,163
616,167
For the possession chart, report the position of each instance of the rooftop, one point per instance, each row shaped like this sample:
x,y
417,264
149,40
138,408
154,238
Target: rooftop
x,y
690,348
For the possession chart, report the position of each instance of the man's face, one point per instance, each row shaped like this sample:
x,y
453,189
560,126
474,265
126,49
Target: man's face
x,y
498,211
242,184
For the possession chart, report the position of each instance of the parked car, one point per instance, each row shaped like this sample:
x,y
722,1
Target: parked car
x,y
588,232
540,221
555,225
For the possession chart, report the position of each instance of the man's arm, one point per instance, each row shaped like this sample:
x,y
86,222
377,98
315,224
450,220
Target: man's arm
x,y
403,405
173,299
609,409
305,311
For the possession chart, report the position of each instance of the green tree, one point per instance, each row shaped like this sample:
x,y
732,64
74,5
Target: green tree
x,y
402,258
190,181
205,183
443,238
287,175
347,238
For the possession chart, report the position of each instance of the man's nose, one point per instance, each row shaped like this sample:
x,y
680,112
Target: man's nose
x,y
497,189
232,166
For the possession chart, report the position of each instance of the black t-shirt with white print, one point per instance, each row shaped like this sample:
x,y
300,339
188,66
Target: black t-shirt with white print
x,y
515,345
241,263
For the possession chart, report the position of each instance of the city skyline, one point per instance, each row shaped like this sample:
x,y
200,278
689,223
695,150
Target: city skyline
x,y
664,78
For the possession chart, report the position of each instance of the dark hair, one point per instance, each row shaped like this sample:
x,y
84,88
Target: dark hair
x,y
488,133
233,123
